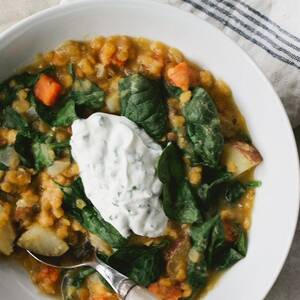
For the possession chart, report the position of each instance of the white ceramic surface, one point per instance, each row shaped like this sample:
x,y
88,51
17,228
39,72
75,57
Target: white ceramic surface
x,y
277,202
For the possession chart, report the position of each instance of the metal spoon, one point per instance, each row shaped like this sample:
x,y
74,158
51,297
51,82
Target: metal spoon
x,y
122,285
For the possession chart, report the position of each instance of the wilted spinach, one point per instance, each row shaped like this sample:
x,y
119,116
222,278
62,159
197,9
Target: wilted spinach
x,y
142,101
88,216
220,245
36,150
212,185
23,148
65,114
7,94
142,264
197,275
180,203
178,197
87,94
217,240
11,119
170,166
235,190
203,128
43,154
228,245
200,233
172,91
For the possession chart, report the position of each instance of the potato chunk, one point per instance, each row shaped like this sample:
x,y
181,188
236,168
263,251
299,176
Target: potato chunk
x,y
42,241
240,157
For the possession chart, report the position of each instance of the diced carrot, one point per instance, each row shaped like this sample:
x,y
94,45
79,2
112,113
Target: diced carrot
x,y
47,90
180,76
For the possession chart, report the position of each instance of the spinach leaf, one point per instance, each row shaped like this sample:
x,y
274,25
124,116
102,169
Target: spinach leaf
x,y
235,190
25,80
220,243
87,94
88,216
63,114
213,184
253,184
170,165
172,91
200,234
37,151
227,246
3,167
44,112
178,197
23,148
142,264
11,119
228,259
203,128
197,275
34,150
43,154
66,114
180,203
142,101
7,94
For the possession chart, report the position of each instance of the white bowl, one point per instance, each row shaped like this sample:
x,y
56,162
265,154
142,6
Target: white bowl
x,y
277,201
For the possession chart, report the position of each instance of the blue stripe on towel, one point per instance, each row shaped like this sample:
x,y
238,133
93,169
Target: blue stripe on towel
x,y
259,14
280,37
274,50
251,29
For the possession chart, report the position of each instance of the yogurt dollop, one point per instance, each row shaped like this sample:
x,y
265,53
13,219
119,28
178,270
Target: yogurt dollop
x,y
117,163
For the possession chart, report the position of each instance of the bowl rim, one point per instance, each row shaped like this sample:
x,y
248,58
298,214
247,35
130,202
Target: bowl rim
x,y
23,25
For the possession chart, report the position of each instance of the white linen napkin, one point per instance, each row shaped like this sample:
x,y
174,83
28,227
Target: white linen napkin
x,y
268,30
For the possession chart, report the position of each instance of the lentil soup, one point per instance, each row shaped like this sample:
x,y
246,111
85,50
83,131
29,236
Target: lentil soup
x,y
205,168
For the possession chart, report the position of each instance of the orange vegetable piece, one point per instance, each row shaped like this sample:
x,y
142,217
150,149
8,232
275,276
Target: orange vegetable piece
x,y
165,293
47,90
180,76
49,273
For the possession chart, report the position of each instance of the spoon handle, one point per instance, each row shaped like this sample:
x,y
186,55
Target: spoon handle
x,y
122,285
138,293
